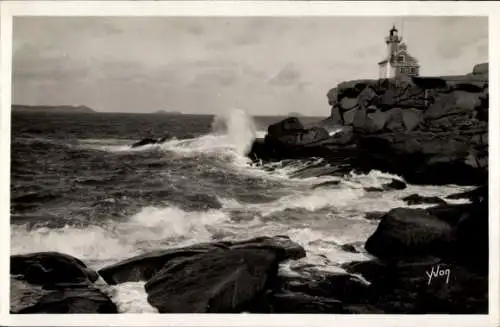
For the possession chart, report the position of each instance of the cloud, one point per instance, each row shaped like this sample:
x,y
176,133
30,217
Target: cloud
x,y
289,75
205,64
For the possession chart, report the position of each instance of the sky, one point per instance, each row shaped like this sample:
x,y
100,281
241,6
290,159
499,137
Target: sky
x,y
264,65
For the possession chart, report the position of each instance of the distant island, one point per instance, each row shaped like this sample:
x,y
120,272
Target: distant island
x,y
55,109
164,112
295,114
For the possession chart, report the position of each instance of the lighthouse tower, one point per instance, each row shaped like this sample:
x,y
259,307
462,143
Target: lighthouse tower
x,y
397,61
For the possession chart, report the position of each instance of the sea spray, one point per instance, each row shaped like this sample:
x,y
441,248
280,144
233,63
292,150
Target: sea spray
x,y
239,128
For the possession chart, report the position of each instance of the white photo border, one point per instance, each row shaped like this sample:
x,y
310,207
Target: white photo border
x,y
10,9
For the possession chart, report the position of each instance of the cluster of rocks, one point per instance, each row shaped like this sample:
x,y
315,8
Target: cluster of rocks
x,y
211,277
429,130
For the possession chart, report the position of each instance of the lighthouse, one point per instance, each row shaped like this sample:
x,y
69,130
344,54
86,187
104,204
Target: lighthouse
x,y
398,60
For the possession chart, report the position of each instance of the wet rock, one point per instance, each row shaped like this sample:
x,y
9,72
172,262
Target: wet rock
x,y
145,266
431,260
303,303
395,184
374,215
478,194
47,268
149,140
281,245
52,282
288,126
340,286
66,300
421,158
349,248
405,233
24,295
472,234
218,281
405,287
288,139
415,199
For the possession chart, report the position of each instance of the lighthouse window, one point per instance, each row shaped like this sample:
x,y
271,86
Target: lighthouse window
x,y
401,58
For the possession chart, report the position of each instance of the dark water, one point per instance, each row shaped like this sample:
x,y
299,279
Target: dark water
x,y
77,187
61,176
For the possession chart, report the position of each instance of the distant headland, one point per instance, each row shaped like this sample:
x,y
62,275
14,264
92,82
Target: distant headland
x,y
56,109
164,112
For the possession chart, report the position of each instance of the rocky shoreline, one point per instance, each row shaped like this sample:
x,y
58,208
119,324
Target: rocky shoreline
x,y
434,260
426,130
431,260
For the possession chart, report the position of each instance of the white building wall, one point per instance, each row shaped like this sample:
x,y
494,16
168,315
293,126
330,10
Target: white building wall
x,y
392,71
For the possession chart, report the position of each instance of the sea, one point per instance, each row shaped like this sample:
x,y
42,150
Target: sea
x,y
77,187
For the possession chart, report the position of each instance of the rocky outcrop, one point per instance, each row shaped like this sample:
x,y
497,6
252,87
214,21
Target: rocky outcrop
x,y
290,139
431,260
451,232
404,287
423,158
223,277
27,298
427,261
52,282
404,233
218,277
429,130
148,140
220,281
47,268
144,267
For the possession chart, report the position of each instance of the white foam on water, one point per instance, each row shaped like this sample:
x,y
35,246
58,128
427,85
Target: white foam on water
x,y
131,297
310,200
149,229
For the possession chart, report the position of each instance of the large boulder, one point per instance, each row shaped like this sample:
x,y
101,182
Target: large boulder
x,y
406,233
52,282
454,103
290,125
143,267
422,158
340,286
64,300
219,281
404,287
47,268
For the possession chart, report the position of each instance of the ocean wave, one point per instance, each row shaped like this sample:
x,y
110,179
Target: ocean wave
x,y
107,242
